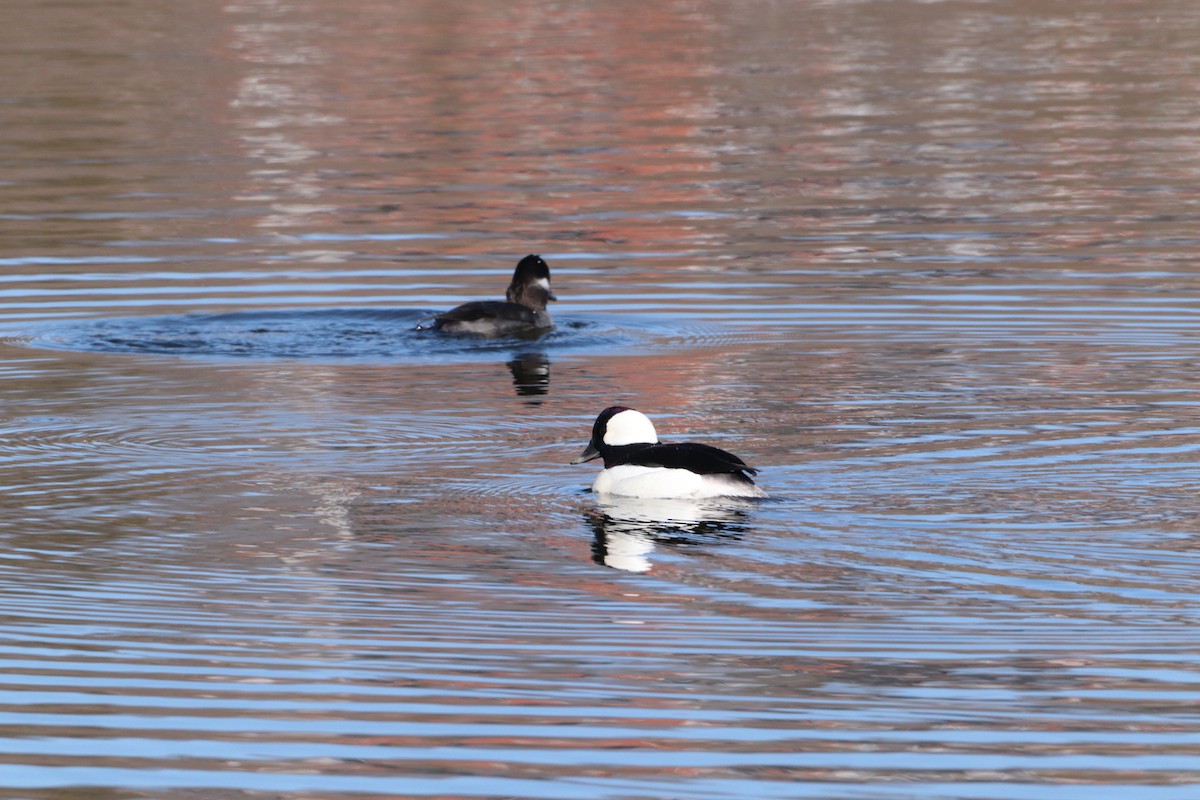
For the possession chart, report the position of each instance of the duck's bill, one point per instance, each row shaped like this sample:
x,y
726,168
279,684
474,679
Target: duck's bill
x,y
551,295
588,454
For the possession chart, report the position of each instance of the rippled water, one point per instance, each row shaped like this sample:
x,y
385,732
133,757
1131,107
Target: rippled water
x,y
929,266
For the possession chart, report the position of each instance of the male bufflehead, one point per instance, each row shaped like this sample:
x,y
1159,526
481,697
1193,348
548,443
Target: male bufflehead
x,y
523,310
636,464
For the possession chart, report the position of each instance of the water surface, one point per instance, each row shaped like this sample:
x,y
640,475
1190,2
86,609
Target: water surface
x,y
929,266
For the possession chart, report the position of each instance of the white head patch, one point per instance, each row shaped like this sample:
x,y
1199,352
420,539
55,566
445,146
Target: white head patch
x,y
543,283
629,427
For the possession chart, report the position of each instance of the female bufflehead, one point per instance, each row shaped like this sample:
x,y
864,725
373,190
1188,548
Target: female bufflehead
x,y
636,464
524,309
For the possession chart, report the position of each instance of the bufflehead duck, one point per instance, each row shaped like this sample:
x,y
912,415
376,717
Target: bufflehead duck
x,y
636,464
523,310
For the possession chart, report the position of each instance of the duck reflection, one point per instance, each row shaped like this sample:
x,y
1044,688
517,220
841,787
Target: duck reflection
x,y
530,373
627,530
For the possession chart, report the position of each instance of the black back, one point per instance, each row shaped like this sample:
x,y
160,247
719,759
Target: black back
x,y
702,459
488,309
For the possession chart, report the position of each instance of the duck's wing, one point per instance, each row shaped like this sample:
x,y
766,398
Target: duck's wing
x,y
699,458
488,309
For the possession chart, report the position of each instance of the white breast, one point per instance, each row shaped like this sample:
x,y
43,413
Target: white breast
x,y
630,480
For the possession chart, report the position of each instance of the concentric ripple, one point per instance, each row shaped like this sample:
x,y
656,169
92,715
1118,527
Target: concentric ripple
x,y
351,334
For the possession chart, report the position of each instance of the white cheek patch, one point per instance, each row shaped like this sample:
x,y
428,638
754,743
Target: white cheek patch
x,y
542,282
629,427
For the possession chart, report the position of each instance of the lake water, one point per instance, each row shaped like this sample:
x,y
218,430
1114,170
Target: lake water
x,y
931,266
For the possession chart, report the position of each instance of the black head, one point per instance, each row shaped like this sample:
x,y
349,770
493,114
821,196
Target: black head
x,y
596,445
601,424
530,283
